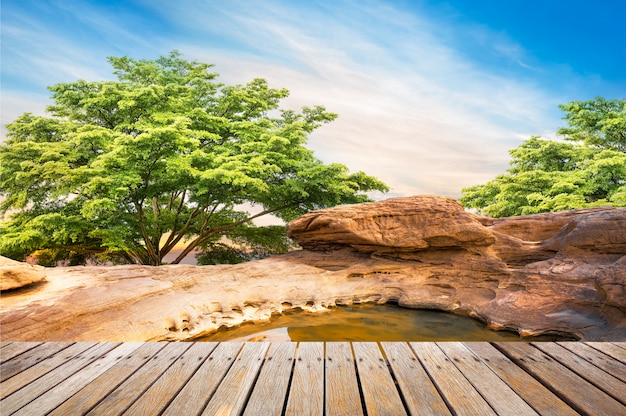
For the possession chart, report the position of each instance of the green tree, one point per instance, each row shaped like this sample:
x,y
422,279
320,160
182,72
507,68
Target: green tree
x,y
587,169
163,156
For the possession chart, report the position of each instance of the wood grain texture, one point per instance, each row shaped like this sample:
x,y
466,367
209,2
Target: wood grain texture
x,y
532,391
339,378
458,392
28,358
10,350
87,398
496,392
166,387
193,398
52,378
342,386
270,391
57,395
613,349
379,391
614,387
306,395
39,370
581,395
231,395
598,358
116,402
419,392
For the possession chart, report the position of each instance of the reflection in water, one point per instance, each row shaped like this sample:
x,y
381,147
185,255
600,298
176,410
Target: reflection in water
x,y
368,322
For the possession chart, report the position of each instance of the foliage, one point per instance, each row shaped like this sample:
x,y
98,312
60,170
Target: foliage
x,y
163,156
587,169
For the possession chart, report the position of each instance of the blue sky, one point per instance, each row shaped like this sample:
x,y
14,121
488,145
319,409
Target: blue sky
x,y
431,95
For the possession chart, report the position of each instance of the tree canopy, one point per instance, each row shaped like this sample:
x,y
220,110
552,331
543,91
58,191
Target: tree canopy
x,y
586,169
163,156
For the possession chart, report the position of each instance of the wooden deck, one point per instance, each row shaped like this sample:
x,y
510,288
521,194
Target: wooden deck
x,y
359,378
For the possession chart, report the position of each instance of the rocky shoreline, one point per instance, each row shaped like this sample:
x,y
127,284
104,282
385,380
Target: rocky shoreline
x,y
557,273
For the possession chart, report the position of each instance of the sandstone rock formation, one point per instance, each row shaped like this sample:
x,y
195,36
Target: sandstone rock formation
x,y
14,274
560,273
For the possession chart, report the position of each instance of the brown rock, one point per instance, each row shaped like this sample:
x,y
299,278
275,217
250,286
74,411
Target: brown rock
x,y
398,225
421,252
14,274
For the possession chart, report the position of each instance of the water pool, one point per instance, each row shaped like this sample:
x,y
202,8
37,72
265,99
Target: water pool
x,y
367,322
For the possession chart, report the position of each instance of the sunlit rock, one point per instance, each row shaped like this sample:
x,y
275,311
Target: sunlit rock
x,y
558,273
14,274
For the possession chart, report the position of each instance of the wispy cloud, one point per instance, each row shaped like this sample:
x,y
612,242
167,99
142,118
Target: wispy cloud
x,y
413,111
426,106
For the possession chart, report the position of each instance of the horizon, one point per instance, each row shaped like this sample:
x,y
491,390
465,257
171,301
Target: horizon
x,y
431,95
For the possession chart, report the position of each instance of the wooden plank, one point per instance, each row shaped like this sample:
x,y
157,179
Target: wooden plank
x,y
165,388
57,395
419,392
13,349
87,398
611,349
581,395
532,391
132,388
495,391
306,395
270,390
599,359
231,395
193,398
456,390
379,390
30,358
342,387
45,383
39,370
606,382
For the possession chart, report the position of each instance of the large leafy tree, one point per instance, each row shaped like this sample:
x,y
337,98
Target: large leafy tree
x,y
586,169
163,156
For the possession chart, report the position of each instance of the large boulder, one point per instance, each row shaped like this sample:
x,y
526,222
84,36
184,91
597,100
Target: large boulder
x,y
560,273
392,227
14,274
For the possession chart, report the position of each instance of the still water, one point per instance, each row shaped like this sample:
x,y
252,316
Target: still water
x,y
367,322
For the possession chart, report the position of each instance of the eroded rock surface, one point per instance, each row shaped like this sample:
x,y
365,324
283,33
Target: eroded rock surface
x,y
14,274
565,275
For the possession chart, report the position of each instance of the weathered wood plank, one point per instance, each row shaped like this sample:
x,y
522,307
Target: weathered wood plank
x,y
574,390
40,369
13,349
419,392
606,382
497,393
598,358
87,398
193,398
532,391
379,391
29,358
120,399
58,394
457,391
51,379
342,387
270,391
306,394
154,400
611,349
231,395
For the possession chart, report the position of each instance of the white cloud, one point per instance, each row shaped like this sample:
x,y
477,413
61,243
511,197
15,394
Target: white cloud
x,y
414,111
